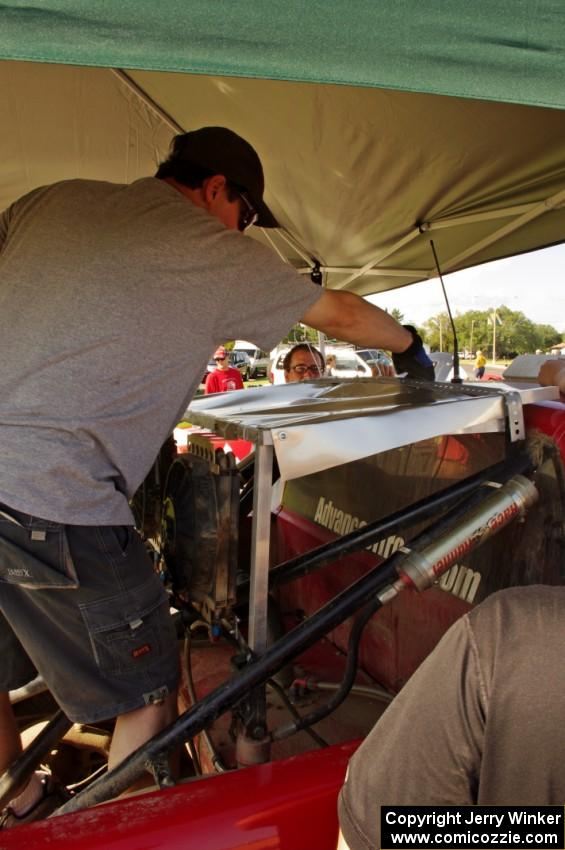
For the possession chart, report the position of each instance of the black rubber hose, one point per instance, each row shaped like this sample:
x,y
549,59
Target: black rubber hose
x,y
296,727
352,663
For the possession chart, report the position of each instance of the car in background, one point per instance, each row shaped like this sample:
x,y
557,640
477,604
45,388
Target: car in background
x,y
348,364
239,359
374,357
242,361
259,366
443,366
259,360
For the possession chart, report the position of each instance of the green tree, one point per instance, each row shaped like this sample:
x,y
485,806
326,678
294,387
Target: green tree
x,y
515,333
396,314
301,333
547,336
438,333
472,330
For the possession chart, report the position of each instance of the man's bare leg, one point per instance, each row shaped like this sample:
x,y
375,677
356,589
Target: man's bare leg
x,y
136,727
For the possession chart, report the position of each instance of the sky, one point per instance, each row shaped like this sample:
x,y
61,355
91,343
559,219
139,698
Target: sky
x,y
533,283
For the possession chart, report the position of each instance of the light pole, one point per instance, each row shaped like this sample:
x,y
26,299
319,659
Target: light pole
x,y
495,319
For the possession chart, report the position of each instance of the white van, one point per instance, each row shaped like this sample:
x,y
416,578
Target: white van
x,y
259,359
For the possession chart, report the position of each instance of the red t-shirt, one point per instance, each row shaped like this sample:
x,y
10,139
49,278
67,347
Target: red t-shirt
x,y
221,380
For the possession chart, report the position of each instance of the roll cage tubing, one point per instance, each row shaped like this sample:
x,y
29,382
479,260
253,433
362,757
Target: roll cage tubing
x,y
501,504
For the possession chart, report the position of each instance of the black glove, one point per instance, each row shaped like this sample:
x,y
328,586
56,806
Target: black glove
x,y
414,361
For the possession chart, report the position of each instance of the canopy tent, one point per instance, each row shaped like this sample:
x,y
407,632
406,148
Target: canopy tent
x,y
380,125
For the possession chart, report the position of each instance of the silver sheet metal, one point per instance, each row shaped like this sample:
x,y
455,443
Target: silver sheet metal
x,y
315,425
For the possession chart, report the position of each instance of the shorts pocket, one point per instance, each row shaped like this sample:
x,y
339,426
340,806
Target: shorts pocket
x,y
116,542
36,555
130,632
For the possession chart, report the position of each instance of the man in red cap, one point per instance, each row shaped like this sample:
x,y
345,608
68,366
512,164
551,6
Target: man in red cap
x,y
224,377
112,297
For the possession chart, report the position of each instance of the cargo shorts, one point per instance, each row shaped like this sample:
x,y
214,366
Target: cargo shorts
x,y
83,606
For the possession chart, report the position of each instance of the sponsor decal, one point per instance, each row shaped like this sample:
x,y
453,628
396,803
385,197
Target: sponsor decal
x,y
141,650
341,522
458,580
461,581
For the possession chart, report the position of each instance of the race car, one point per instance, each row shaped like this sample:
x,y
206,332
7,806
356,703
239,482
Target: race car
x,y
310,576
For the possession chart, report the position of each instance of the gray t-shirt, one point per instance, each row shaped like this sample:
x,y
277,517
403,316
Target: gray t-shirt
x,y
479,723
112,299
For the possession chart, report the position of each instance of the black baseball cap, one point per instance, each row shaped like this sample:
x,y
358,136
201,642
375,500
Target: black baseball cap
x,y
224,152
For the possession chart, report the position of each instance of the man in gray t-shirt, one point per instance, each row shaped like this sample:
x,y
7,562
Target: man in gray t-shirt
x,y
112,297
479,723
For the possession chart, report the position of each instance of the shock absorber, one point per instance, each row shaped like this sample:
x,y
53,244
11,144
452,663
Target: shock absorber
x,y
422,567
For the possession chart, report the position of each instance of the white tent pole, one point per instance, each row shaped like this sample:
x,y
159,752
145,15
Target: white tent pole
x,y
506,212
383,255
538,209
376,272
148,101
275,247
528,213
290,240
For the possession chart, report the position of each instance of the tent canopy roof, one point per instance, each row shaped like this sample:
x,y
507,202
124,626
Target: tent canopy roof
x,y
508,50
380,125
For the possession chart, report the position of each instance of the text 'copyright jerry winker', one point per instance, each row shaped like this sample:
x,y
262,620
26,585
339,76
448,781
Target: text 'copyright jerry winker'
x,y
472,826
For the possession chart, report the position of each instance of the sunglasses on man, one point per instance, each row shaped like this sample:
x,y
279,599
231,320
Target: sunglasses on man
x,y
248,214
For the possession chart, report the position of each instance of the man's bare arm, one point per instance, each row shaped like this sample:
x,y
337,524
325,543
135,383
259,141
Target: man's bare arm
x,y
342,843
346,316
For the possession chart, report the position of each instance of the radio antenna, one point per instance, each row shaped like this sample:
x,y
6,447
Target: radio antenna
x,y
456,376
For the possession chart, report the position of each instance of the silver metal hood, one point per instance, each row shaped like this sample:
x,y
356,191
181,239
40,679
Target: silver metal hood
x,y
314,425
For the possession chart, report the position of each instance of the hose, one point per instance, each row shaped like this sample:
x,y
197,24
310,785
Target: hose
x,y
281,692
344,688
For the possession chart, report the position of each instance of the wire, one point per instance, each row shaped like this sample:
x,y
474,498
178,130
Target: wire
x,y
87,779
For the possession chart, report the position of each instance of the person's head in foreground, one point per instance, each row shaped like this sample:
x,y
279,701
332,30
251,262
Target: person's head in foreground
x,y
302,363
